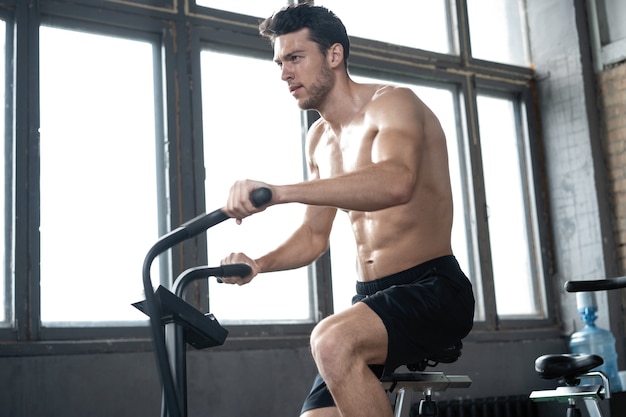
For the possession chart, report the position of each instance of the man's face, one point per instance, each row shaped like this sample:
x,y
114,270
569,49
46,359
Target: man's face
x,y
304,68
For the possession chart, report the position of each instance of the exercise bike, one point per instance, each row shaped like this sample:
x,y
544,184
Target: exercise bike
x,y
572,369
174,323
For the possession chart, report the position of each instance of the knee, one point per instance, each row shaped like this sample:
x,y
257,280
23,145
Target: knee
x,y
323,341
331,348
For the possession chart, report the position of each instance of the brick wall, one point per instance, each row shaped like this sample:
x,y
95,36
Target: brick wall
x,y
612,85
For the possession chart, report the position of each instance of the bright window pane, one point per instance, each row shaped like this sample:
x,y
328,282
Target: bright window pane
x,y
509,229
260,8
422,24
343,250
612,15
498,31
252,130
98,175
5,286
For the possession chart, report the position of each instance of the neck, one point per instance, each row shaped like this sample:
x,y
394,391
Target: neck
x,y
342,103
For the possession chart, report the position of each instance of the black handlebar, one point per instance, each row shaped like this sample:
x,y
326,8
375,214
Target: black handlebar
x,y
199,224
261,196
193,227
595,285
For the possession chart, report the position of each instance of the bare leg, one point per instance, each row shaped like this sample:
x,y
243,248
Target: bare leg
x,y
343,346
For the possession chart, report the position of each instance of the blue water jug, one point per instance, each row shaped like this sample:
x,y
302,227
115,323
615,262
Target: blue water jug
x,y
592,339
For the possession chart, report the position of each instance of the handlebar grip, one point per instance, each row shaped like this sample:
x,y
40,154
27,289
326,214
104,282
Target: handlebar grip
x,y
595,285
261,196
234,270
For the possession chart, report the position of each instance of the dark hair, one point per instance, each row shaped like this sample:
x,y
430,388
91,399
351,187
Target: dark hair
x,y
325,28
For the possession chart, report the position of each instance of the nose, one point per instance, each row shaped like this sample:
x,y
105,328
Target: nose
x,y
286,73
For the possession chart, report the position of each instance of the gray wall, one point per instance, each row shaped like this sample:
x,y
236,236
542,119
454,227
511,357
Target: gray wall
x,y
79,385
260,383
574,160
221,383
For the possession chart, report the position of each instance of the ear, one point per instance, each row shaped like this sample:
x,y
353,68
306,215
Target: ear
x,y
335,55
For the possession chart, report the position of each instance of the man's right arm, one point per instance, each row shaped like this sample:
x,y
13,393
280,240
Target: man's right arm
x,y
304,246
310,240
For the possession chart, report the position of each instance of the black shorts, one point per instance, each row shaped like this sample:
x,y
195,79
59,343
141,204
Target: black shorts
x,y
425,309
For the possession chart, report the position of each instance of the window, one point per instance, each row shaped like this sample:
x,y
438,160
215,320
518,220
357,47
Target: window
x,y
611,14
427,25
98,175
507,178
141,126
258,8
507,19
608,34
512,225
431,26
252,130
6,293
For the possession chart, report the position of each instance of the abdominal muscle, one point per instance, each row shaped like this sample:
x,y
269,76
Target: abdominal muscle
x,y
390,241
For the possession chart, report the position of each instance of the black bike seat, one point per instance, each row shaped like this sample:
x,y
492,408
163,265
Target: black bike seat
x,y
447,355
566,365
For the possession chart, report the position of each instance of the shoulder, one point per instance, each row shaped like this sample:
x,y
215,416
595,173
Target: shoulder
x,y
392,92
394,104
395,96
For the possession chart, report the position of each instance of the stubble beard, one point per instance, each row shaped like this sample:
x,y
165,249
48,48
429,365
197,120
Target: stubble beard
x,y
319,89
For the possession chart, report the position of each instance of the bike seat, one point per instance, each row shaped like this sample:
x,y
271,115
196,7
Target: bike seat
x,y
447,355
564,365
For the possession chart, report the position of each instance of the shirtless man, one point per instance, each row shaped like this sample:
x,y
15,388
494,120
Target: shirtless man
x,y
378,154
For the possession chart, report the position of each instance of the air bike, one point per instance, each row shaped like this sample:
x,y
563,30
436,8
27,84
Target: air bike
x,y
174,322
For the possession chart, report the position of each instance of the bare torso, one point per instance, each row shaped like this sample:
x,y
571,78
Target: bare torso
x,y
398,237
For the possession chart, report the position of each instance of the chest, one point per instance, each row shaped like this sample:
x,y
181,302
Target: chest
x,y
344,152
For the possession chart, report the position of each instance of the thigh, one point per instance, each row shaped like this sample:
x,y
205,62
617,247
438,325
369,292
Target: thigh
x,y
422,318
361,330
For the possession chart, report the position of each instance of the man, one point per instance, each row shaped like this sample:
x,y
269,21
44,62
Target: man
x,y
378,154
